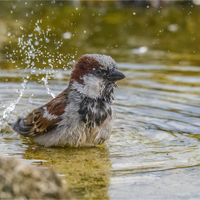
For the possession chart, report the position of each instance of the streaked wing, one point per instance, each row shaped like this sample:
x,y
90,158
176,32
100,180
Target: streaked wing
x,y
41,120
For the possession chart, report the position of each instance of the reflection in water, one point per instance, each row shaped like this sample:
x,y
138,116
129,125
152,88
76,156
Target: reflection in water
x,y
86,171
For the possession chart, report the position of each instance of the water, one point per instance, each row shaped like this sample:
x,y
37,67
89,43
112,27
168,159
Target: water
x,y
154,147
154,150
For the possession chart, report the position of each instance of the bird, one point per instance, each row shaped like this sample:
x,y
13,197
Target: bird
x,y
83,114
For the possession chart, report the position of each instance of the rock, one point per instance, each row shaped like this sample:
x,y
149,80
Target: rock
x,y
18,180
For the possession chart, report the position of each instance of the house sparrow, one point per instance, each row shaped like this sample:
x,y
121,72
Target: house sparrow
x,y
83,114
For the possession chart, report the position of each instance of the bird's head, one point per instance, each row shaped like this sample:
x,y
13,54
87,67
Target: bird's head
x,y
95,75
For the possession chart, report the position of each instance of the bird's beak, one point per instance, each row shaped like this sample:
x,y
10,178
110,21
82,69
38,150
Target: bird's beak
x,y
115,75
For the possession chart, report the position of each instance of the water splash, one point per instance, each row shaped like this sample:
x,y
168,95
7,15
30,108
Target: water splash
x,y
45,80
11,107
1,103
37,59
8,111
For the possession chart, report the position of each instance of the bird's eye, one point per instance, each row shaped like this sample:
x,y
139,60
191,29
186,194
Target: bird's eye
x,y
98,72
101,73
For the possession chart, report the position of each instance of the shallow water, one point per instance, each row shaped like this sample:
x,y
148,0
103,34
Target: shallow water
x,y
154,150
154,147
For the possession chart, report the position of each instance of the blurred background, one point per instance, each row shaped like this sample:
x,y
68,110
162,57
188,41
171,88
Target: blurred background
x,y
153,152
157,31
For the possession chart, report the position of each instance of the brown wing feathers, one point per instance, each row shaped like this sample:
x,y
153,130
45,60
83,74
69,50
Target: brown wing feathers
x,y
41,120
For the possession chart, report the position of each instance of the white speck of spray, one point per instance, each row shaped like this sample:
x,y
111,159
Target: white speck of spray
x,y
140,50
36,43
37,29
47,40
84,31
67,35
134,13
173,27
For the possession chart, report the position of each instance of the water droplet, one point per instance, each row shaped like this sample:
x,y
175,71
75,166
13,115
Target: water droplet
x,y
173,27
140,50
36,43
47,40
67,35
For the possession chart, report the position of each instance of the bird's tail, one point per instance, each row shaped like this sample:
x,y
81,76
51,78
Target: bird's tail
x,y
11,124
21,128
